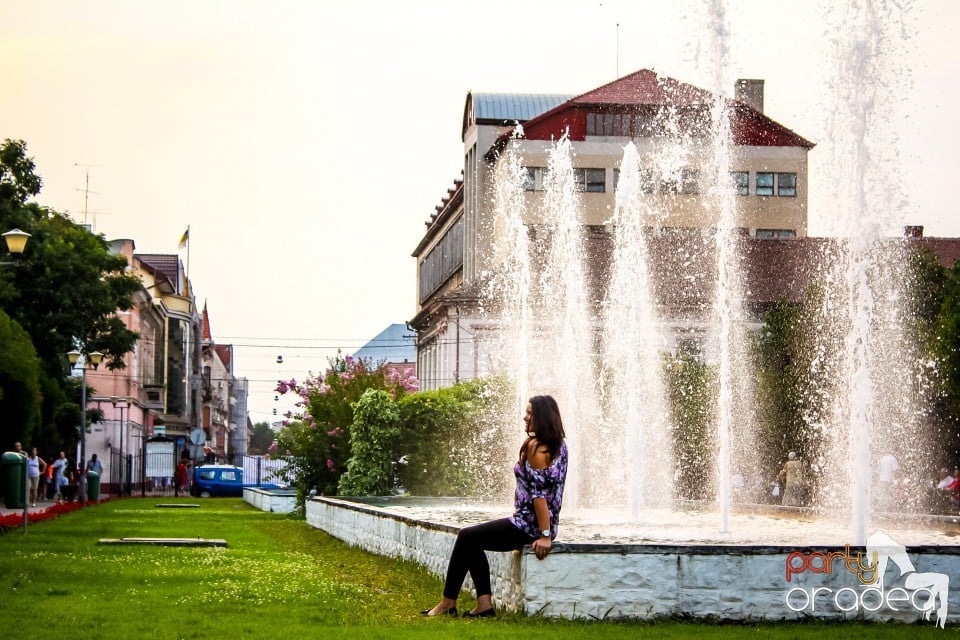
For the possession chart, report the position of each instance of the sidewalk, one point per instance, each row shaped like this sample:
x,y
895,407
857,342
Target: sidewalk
x,y
42,505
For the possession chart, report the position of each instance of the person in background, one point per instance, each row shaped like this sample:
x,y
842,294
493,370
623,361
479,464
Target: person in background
x,y
887,469
80,477
60,477
95,465
46,482
953,489
180,479
790,479
945,478
541,472
35,466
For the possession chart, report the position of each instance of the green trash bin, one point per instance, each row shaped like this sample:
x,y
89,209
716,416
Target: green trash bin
x,y
93,486
13,468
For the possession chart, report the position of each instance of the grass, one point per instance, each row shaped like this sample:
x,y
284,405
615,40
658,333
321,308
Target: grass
x,y
278,578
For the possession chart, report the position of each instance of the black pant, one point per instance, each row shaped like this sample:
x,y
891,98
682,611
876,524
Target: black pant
x,y
468,554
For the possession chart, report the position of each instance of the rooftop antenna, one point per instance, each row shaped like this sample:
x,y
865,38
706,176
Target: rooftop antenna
x,y
87,192
618,50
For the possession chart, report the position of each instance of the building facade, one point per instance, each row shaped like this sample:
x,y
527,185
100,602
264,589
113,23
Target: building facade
x,y
175,378
672,125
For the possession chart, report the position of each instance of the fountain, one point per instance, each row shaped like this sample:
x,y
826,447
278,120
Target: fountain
x,y
629,548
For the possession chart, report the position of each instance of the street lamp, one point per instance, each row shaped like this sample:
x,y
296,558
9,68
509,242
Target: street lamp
x,y
16,242
123,463
74,357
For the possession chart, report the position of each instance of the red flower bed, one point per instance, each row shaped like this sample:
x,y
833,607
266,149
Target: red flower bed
x,y
15,520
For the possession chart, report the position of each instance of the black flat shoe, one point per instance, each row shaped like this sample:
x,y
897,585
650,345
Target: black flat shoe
x,y
452,611
486,613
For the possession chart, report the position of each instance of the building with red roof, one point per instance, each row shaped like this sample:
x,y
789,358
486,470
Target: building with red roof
x,y
673,126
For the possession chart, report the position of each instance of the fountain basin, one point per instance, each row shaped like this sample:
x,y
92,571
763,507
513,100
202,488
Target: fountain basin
x,y
271,500
605,570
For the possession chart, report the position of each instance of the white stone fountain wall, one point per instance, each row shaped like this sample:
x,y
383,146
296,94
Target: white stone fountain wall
x,y
642,581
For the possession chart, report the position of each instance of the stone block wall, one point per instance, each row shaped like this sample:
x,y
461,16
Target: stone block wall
x,y
647,581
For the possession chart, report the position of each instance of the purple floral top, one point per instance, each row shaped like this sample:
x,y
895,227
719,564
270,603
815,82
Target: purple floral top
x,y
539,483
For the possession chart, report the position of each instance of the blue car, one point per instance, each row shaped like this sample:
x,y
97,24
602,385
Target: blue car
x,y
221,480
217,480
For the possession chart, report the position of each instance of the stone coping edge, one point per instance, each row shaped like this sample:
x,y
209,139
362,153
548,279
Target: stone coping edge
x,y
654,548
272,492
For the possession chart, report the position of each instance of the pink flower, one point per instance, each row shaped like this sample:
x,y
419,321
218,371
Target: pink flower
x,y
330,464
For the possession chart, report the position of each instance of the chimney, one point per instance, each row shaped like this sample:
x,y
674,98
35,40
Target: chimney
x,y
750,92
913,231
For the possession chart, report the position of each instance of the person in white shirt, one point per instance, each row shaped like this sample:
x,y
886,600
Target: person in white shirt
x,y
95,465
945,478
35,466
888,468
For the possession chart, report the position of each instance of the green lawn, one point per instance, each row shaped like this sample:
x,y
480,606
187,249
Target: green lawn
x,y
278,578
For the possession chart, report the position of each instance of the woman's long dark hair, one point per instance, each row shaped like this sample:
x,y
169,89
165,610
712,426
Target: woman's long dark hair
x,y
546,425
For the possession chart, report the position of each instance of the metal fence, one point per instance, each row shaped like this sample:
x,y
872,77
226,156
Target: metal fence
x,y
151,472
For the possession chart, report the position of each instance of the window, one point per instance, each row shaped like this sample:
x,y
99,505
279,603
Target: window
x,y
229,476
741,182
206,474
534,179
690,347
669,184
776,233
647,180
764,184
787,185
591,180
608,124
645,124
689,181
444,259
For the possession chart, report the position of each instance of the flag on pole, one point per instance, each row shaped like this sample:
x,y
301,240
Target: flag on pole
x,y
185,238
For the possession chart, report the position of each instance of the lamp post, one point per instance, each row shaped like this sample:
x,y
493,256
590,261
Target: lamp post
x,y
122,404
74,357
16,241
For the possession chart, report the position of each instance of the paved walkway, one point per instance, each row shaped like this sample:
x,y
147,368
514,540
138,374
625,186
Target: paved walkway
x,y
41,506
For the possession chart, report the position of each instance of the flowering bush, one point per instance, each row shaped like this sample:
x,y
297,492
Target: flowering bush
x,y
316,440
15,520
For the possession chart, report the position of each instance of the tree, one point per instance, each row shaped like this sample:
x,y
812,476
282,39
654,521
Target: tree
x,y
452,441
20,398
64,291
263,436
943,344
691,388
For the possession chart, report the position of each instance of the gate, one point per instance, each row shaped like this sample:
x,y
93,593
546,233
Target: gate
x,y
150,472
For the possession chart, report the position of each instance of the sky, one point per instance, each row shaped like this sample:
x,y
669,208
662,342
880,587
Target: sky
x,y
306,143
